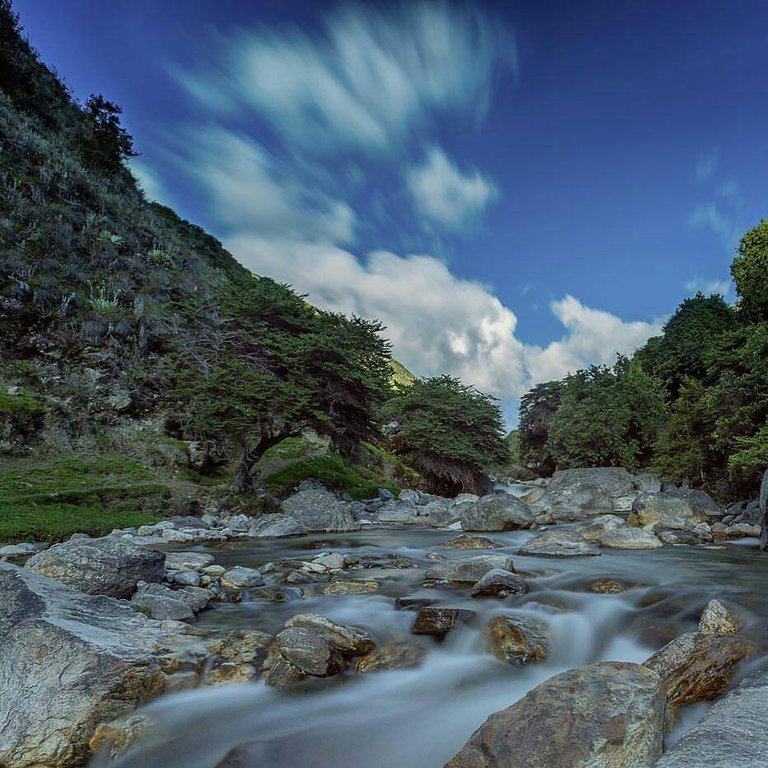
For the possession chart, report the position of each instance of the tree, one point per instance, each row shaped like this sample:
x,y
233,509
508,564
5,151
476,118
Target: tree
x,y
104,143
537,409
607,417
680,352
750,273
450,431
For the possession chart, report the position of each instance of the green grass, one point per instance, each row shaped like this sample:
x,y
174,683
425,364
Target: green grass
x,y
330,470
291,448
54,498
20,405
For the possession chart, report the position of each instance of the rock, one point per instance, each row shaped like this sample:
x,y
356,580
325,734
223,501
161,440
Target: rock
x,y
162,607
469,570
182,522
499,583
385,494
732,733
605,715
241,578
518,639
350,587
320,510
276,526
107,566
438,622
559,543
332,561
574,494
282,674
404,512
472,542
463,498
670,511
14,551
68,661
699,667
610,586
718,618
497,512
407,494
309,652
613,532
722,532
345,638
395,654
187,561
187,578
238,656
196,598
441,513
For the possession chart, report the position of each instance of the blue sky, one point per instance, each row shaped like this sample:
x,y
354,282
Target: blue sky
x,y
515,189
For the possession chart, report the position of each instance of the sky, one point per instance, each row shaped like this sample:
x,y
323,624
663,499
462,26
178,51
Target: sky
x,y
516,189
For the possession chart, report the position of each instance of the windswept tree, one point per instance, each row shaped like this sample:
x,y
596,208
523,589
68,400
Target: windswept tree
x,y
451,432
537,409
104,142
750,273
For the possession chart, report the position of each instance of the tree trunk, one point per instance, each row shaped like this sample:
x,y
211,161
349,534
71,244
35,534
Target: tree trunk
x,y
244,482
764,512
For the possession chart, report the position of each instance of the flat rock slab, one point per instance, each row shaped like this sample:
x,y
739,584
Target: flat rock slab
x,y
559,543
605,715
469,570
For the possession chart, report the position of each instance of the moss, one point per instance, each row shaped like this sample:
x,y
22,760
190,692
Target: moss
x,y
330,470
21,405
291,448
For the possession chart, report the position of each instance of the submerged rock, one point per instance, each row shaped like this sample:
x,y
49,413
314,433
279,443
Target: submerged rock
x,y
605,715
350,587
395,654
518,639
559,543
107,566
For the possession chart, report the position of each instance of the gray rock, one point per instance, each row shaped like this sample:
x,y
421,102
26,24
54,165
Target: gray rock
x,y
320,510
182,522
719,618
398,511
667,510
468,570
732,734
68,661
241,578
613,532
518,639
344,638
497,512
187,578
499,583
440,512
438,622
407,494
187,561
162,607
605,715
559,543
196,598
308,652
276,526
107,566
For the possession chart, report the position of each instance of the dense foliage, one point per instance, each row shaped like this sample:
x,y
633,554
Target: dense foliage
x,y
710,364
451,432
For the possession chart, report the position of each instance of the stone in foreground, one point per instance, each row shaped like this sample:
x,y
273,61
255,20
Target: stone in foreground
x,y
605,715
107,566
68,661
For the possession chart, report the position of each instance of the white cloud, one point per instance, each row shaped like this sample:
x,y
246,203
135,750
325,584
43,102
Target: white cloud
x,y
439,323
698,284
710,216
706,165
446,196
149,181
376,75
246,190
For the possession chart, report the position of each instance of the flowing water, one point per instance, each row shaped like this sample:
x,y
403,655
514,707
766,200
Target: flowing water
x,y
419,718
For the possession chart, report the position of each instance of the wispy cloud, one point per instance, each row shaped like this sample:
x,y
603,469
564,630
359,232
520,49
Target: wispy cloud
x,y
712,217
445,195
700,285
706,165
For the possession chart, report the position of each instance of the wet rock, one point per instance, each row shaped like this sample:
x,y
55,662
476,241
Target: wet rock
x,y
332,561
187,561
719,618
499,583
610,586
239,656
469,570
309,652
345,638
186,578
721,532
559,543
120,734
282,674
106,566
241,578
395,654
613,532
497,512
518,639
162,607
605,715
701,534
438,622
404,512
276,526
472,542
441,513
416,600
68,661
574,494
699,667
320,510
732,734
668,510
350,587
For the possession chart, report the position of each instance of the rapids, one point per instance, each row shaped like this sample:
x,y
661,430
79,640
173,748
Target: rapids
x,y
419,718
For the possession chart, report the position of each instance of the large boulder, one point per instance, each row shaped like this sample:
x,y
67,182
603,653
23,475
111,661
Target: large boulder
x,y
469,570
497,512
320,510
673,510
68,661
732,734
605,715
699,666
614,533
574,494
107,566
276,526
345,638
309,652
559,543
